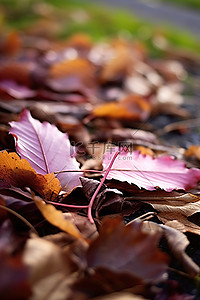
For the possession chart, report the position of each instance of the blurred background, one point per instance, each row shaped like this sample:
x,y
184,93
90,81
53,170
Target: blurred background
x,y
156,23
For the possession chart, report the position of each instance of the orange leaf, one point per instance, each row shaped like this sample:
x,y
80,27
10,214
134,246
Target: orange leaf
x,y
120,64
131,107
194,151
80,41
80,68
56,217
11,44
18,172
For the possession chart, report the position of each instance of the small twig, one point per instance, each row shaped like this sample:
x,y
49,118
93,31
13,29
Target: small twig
x,y
178,125
181,273
143,217
99,187
20,217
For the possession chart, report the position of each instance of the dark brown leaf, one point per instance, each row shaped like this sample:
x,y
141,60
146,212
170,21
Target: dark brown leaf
x,y
128,249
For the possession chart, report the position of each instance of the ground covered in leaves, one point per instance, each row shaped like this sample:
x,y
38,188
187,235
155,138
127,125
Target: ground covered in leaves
x,y
99,169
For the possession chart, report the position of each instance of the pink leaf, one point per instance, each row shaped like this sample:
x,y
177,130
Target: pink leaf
x,y
147,172
46,148
15,90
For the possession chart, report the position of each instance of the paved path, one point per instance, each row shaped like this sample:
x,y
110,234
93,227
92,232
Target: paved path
x,y
160,13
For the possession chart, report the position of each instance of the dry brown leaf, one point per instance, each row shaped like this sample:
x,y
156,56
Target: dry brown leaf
x,y
49,269
171,70
178,210
19,173
177,242
121,296
120,62
87,230
131,107
104,281
128,249
56,217
11,71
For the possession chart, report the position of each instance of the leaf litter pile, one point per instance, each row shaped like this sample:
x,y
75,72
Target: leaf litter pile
x,y
95,201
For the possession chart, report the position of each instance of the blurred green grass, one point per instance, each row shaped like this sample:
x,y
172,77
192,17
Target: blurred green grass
x,y
99,22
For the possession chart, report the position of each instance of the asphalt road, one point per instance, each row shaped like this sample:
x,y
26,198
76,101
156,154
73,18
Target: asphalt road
x,y
156,12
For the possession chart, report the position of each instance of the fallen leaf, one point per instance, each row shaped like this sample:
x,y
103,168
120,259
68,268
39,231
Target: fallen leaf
x,y
128,249
147,172
121,296
122,134
132,107
87,230
193,151
46,148
15,90
104,281
171,70
19,173
56,218
11,71
11,44
80,41
49,269
118,61
14,283
177,248
108,201
71,75
178,210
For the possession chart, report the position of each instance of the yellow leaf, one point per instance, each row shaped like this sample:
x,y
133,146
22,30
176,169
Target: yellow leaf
x,y
56,218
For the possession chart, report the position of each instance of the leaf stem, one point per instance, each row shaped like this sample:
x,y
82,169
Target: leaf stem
x,y
79,171
99,187
66,205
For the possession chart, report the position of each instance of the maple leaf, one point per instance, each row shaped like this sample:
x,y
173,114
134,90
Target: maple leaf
x,y
147,172
128,249
46,149
19,173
